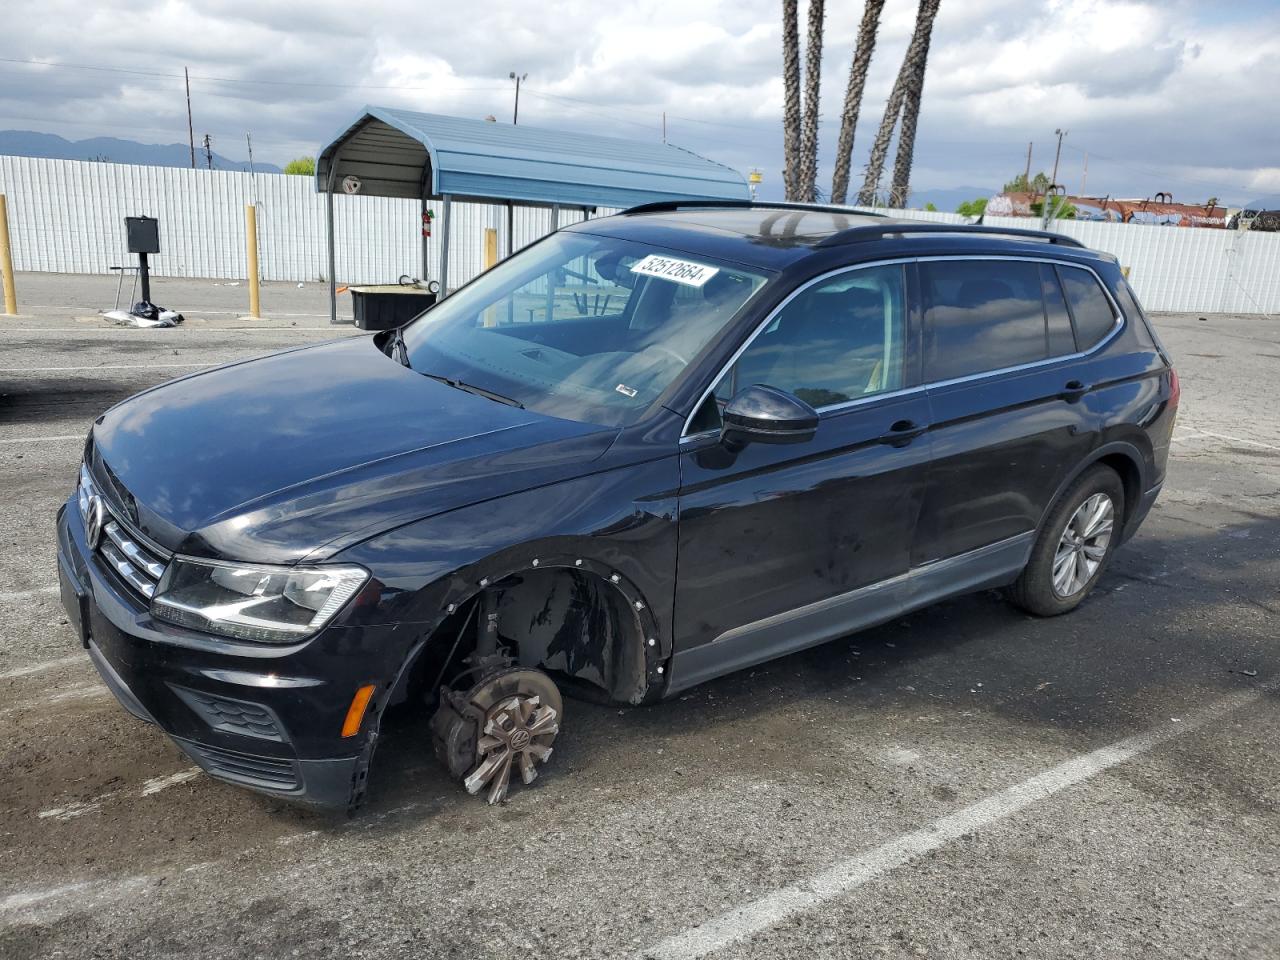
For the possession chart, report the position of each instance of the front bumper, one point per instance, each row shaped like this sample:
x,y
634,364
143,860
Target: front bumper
x,y
268,721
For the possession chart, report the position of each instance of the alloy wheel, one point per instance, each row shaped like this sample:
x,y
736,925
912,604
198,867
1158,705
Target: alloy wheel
x,y
1083,545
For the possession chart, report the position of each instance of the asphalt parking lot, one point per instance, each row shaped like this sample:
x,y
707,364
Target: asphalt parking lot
x,y
966,782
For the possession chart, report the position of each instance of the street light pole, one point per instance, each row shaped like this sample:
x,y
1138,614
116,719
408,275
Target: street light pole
x,y
515,114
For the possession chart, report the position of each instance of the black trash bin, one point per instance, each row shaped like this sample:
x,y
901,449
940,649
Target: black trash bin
x,y
388,305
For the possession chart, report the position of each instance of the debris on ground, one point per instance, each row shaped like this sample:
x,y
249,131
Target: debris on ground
x,y
144,314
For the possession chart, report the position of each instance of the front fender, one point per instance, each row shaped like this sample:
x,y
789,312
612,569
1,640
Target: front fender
x,y
619,524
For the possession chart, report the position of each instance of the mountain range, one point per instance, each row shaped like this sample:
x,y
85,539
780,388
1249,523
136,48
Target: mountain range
x,y
28,143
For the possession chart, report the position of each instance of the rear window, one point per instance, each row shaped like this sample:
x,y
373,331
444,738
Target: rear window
x,y
981,315
1090,308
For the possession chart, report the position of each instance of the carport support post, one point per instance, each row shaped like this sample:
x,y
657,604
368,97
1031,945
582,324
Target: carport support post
x,y
333,280
6,262
444,245
426,270
251,256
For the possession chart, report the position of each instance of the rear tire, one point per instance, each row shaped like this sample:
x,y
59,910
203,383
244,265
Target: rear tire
x,y
1075,545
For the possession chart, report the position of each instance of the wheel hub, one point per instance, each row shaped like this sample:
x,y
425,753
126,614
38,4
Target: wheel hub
x,y
505,724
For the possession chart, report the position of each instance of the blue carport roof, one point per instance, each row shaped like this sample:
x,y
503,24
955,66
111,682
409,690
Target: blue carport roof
x,y
400,153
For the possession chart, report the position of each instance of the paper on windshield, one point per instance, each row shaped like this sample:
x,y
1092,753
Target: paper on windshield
x,y
681,271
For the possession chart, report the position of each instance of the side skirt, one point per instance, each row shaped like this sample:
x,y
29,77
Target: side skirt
x,y
753,643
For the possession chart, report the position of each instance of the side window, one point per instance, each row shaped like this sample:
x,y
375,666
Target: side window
x,y
981,315
1090,308
836,341
1062,339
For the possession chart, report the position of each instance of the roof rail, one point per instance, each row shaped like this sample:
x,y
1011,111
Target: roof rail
x,y
879,231
667,205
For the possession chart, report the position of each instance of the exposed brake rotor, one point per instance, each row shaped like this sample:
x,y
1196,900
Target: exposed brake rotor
x,y
504,724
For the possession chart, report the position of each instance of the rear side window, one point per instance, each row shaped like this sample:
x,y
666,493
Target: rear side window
x,y
1090,308
981,315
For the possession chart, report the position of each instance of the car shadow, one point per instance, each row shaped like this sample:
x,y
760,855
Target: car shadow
x,y
1176,613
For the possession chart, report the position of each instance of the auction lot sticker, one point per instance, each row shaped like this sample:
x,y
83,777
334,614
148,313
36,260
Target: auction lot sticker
x,y
681,271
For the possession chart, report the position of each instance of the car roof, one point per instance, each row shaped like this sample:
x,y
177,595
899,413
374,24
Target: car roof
x,y
774,235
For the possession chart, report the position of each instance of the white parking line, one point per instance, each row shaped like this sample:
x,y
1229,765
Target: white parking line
x,y
78,808
850,874
86,894
61,436
156,784
26,595
1195,433
41,667
337,327
83,691
112,366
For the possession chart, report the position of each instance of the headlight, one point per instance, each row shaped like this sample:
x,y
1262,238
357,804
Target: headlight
x,y
84,490
250,602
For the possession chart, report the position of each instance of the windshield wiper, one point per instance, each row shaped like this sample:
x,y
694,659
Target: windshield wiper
x,y
478,391
398,349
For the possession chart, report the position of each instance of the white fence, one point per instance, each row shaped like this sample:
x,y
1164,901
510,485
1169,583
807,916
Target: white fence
x,y
68,216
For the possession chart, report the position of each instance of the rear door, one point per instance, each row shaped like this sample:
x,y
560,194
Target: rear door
x,y
783,546
1010,405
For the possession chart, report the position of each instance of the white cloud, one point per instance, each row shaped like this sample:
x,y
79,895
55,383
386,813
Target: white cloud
x,y
1162,95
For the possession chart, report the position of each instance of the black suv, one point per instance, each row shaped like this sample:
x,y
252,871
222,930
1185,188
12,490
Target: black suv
x,y
643,452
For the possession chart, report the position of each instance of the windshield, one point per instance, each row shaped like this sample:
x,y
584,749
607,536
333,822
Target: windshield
x,y
581,327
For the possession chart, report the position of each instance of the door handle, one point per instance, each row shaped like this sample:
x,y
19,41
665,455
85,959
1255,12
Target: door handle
x,y
903,432
1074,390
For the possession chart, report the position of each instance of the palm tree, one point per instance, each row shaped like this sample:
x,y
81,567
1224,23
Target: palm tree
x,y
880,146
791,97
853,97
912,93
805,188
915,58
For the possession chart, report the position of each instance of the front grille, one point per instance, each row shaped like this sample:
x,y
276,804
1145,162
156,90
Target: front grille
x,y
139,563
232,716
136,564
267,772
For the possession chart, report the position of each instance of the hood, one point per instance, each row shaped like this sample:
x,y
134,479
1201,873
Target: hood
x,y
301,453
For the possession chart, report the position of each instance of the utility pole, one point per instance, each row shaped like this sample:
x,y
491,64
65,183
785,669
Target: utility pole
x,y
664,126
1046,210
1026,177
191,136
1084,179
208,151
515,114
1053,181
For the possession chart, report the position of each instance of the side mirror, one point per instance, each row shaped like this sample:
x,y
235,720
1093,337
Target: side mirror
x,y
763,414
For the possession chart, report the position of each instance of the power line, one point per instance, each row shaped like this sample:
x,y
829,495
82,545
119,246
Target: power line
x,y
241,80
1164,174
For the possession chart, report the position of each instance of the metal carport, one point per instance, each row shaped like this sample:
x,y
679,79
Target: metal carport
x,y
400,153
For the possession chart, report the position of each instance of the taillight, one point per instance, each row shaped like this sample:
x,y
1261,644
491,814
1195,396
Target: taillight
x,y
1175,388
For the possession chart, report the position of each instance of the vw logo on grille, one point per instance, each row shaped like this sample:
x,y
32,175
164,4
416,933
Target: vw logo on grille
x,y
95,517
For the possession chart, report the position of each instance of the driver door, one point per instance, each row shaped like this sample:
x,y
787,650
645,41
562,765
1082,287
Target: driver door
x,y
785,546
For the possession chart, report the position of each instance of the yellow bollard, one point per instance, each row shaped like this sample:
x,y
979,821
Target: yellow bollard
x,y
251,245
490,247
6,262
490,318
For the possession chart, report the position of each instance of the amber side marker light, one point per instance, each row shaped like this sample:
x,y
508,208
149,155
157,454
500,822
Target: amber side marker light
x,y
355,713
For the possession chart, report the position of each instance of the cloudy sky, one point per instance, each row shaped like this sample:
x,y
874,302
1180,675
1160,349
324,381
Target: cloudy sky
x,y
1176,96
